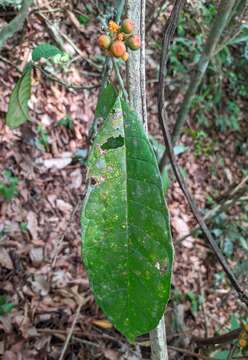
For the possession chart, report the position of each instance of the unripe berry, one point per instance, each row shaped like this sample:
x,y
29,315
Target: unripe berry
x,y
134,42
127,26
118,48
125,56
104,41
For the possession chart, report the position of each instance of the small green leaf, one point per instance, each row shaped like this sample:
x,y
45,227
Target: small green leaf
x,y
43,138
45,51
127,245
66,122
8,188
106,102
18,104
5,307
84,19
23,226
221,355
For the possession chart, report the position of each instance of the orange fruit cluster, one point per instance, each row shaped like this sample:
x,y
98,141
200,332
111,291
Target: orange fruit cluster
x,y
119,38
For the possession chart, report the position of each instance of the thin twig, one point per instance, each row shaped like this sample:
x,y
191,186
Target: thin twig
x,y
120,80
188,352
6,61
220,339
68,86
66,344
60,241
85,342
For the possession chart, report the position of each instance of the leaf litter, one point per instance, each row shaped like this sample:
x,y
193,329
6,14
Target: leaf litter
x,y
51,184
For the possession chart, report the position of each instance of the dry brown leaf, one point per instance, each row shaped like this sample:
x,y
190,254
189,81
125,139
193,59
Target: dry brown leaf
x,y
1,347
32,224
111,354
64,206
56,163
36,255
182,229
5,259
40,285
9,355
104,324
76,179
6,323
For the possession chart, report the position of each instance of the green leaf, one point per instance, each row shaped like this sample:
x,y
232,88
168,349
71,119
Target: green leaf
x,y
126,238
221,355
243,242
84,19
18,104
241,268
5,307
106,102
45,51
235,321
66,122
8,188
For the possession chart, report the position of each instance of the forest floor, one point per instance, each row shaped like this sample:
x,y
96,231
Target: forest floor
x,y
41,271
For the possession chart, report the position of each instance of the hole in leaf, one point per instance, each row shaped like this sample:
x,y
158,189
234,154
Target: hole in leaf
x,y
93,181
113,143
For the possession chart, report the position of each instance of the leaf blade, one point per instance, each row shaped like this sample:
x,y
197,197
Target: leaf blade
x,y
126,235
17,113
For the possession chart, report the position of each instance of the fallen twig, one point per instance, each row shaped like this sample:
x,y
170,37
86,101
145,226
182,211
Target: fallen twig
x,y
66,344
220,339
60,241
188,352
68,86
